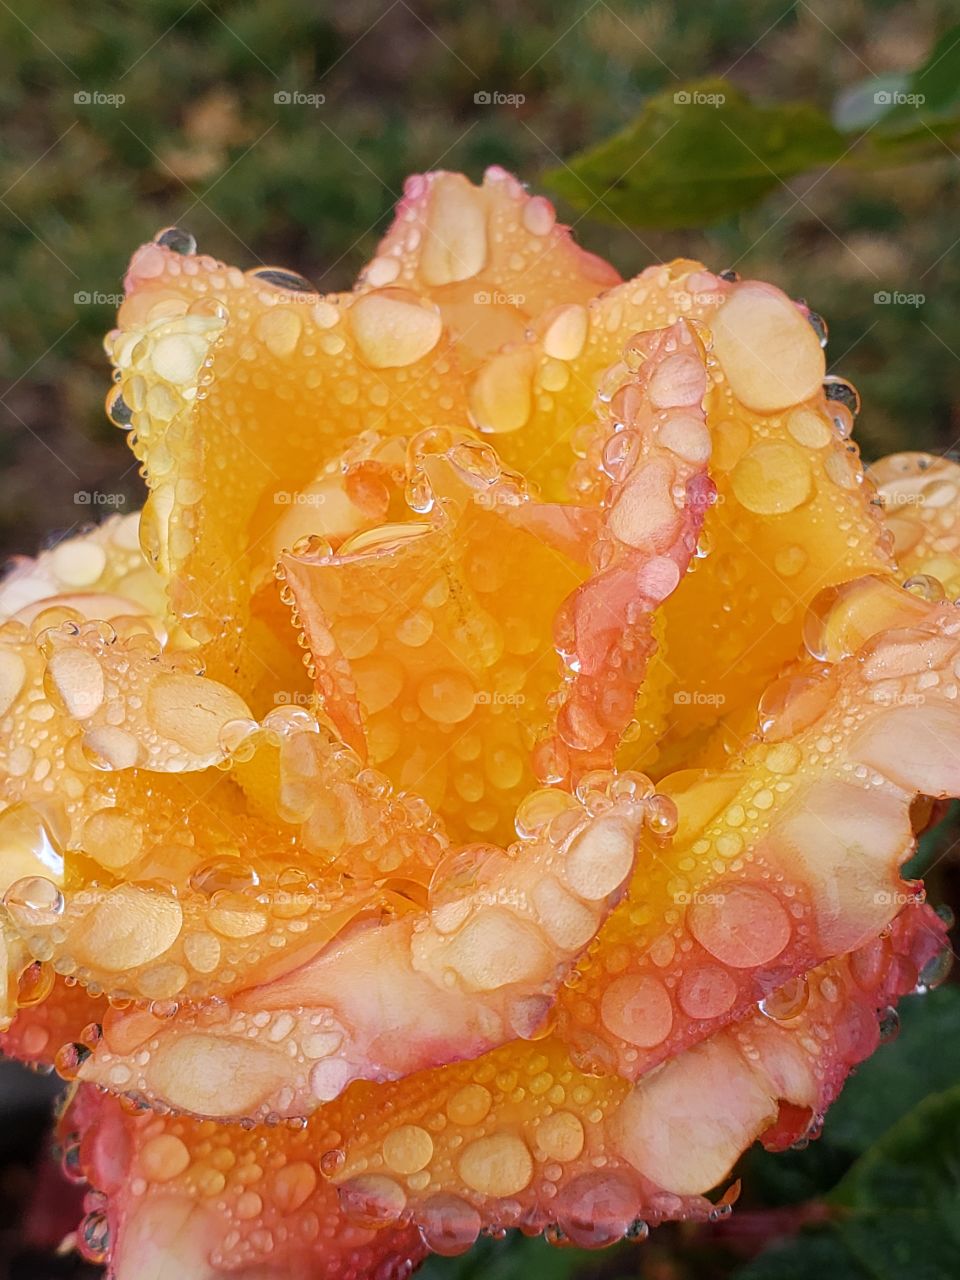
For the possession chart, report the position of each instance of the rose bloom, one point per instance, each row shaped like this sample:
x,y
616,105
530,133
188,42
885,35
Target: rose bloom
x,y
472,793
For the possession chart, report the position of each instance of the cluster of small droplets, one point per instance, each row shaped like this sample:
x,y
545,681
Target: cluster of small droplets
x,y
918,493
419,632
99,572
647,469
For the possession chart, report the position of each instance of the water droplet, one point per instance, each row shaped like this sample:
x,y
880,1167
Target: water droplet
x,y
372,1200
661,815
787,1001
449,1225
597,1209
69,1059
772,478
842,391
331,1162
291,281
34,902
176,239
35,984
394,328
448,697
819,326
889,1025
497,1165
935,971
118,411
407,1149
218,874
946,914
93,1238
925,587
70,1163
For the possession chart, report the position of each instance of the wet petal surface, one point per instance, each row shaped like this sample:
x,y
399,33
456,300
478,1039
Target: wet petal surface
x,y
474,793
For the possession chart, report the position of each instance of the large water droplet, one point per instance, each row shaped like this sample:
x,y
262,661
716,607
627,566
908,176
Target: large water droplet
x,y
34,902
229,874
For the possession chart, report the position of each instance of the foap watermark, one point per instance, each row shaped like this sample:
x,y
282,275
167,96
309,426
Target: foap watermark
x,y
495,497
896,698
297,98
706,298
904,498
695,898
698,698
94,298
896,98
284,498
497,98
94,498
897,298
292,698
496,698
697,98
898,898
97,98
499,896
483,298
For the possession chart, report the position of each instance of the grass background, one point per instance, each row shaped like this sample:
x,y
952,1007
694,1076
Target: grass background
x,y
200,140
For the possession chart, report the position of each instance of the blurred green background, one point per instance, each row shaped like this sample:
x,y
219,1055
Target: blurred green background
x,y
199,139
120,119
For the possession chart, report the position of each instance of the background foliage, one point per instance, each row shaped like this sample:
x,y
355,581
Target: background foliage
x,y
200,140
122,118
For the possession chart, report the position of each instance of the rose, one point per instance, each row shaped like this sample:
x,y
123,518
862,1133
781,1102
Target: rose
x,y
417,892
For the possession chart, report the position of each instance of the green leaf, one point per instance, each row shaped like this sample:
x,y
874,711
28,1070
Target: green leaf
x,y
695,155
938,80
914,1167
902,1197
896,1212
805,1257
906,110
924,1059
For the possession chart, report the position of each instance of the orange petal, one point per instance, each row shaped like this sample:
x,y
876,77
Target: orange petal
x,y
516,1138
479,967
101,574
428,645
431,639
790,855
649,453
492,257
210,363
188,1199
920,492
